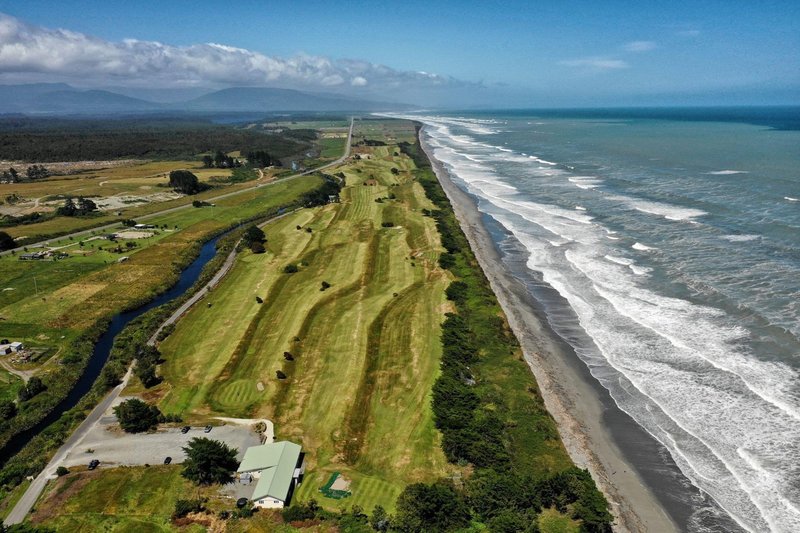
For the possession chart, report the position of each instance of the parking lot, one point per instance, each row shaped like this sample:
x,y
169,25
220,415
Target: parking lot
x,y
113,447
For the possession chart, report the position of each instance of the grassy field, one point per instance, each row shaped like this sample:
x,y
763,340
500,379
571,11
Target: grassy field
x,y
366,350
48,303
140,499
123,499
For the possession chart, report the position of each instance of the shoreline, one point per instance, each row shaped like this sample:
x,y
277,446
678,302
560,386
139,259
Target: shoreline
x,y
569,395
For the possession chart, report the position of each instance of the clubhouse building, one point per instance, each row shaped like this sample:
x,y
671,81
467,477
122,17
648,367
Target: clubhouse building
x,y
277,468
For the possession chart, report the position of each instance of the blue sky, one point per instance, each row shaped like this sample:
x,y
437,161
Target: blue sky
x,y
484,52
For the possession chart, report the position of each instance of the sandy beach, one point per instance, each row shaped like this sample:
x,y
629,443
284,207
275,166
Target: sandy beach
x,y
570,394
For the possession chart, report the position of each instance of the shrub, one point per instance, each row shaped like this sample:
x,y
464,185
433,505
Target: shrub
x,y
62,471
280,375
290,269
325,285
184,507
257,247
8,409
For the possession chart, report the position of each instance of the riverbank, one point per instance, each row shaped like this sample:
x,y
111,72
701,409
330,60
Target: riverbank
x,y
570,397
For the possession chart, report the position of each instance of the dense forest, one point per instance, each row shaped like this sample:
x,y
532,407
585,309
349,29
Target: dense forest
x,y
56,139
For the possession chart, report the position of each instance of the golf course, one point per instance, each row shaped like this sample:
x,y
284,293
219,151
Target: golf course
x,y
359,357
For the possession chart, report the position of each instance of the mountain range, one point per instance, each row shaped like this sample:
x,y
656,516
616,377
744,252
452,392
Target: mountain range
x,y
63,99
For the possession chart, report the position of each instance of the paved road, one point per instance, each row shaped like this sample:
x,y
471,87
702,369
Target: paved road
x,y
186,206
25,504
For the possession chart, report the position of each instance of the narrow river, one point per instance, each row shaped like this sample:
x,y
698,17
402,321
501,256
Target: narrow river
x,y
103,349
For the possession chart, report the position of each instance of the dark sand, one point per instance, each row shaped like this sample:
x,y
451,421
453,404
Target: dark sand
x,y
580,406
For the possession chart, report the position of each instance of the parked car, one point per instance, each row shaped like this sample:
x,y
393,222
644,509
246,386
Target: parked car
x,y
185,429
168,460
207,429
94,463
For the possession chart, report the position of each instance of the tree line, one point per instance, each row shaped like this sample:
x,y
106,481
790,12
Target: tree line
x,y
33,172
45,140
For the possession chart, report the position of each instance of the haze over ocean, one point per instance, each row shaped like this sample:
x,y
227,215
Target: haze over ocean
x,y
675,248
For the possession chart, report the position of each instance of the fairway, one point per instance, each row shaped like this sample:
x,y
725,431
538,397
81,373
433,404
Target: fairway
x,y
364,352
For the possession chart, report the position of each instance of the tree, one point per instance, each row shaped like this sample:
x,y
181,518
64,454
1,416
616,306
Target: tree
x,y
86,206
290,269
184,182
62,471
69,209
257,247
31,389
209,461
8,409
208,161
379,520
136,416
254,234
457,291
258,158
435,507
6,241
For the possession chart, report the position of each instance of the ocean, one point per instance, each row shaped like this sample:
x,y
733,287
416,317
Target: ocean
x,y
671,241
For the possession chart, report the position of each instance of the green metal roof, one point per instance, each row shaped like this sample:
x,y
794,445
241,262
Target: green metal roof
x,y
276,462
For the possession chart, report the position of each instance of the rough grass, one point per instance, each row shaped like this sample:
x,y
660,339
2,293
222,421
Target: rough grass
x,y
121,499
366,350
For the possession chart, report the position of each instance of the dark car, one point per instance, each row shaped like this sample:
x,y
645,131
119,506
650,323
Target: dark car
x,y
168,460
94,463
207,429
185,429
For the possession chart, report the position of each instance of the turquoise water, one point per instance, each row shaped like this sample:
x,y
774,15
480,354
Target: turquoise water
x,y
676,243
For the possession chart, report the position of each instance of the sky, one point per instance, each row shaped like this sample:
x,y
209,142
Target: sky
x,y
431,53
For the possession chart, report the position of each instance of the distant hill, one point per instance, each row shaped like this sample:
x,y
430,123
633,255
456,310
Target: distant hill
x,y
268,99
59,98
62,99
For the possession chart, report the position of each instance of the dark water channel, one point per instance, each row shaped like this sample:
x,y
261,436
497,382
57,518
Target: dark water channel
x,y
102,349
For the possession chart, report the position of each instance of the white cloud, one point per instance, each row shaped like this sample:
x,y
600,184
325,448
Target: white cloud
x,y
639,46
595,63
35,53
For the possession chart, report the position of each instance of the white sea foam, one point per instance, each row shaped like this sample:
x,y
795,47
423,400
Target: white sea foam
x,y
730,421
726,172
741,238
789,198
580,208
619,260
668,211
585,182
640,270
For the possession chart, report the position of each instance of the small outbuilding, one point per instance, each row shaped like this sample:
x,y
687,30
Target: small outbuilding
x,y
276,469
